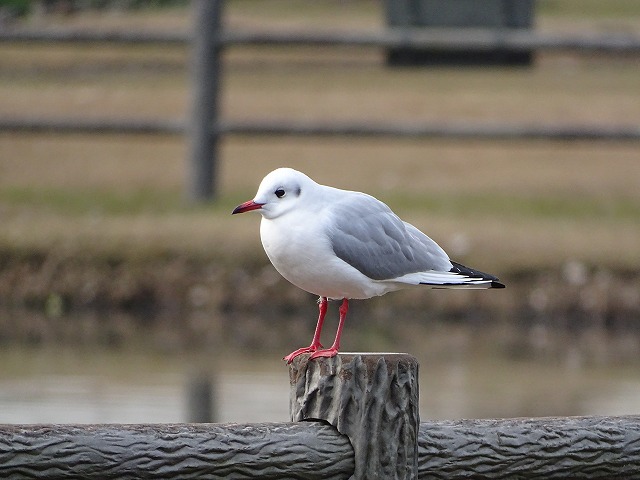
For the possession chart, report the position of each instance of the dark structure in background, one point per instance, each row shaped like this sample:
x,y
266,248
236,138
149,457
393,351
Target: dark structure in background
x,y
459,14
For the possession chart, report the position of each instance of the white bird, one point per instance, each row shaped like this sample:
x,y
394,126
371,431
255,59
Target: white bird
x,y
340,244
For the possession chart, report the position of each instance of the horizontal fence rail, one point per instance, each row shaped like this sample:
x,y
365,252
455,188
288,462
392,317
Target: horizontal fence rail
x,y
443,39
448,129
446,39
66,35
86,125
267,451
462,130
551,448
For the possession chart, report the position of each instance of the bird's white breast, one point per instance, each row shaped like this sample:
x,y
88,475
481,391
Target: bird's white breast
x,y
302,253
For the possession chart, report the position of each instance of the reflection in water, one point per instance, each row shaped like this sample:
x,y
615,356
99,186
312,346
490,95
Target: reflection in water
x,y
464,373
89,399
132,387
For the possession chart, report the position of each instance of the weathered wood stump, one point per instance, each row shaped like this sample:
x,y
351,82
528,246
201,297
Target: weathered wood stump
x,y
372,398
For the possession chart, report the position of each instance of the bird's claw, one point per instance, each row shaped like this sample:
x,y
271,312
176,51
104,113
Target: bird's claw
x,y
310,349
326,353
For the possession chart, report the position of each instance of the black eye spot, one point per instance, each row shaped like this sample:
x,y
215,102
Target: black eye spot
x,y
280,192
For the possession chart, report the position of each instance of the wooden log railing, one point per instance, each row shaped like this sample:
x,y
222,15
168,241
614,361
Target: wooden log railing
x,y
360,412
551,448
186,451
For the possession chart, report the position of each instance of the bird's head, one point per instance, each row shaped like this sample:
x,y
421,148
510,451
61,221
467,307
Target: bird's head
x,y
278,193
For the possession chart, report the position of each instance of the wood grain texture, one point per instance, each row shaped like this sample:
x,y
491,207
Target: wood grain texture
x,y
372,398
518,448
531,448
203,451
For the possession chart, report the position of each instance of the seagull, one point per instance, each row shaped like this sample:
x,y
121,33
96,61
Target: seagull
x,y
342,245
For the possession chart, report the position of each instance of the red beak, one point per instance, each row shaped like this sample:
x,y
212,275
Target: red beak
x,y
247,207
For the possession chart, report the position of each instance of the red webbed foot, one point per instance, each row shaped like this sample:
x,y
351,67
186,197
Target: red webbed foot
x,y
310,349
326,353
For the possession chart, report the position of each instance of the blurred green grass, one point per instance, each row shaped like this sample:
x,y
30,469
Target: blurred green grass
x,y
80,202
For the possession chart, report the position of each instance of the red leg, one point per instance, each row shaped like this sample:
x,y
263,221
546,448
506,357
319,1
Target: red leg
x,y
315,343
333,350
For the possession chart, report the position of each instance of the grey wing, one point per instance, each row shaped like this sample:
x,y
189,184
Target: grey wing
x,y
367,235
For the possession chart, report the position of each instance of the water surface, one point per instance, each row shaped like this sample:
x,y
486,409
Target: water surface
x,y
50,386
463,374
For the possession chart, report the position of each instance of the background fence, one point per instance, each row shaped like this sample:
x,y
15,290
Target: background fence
x,y
209,38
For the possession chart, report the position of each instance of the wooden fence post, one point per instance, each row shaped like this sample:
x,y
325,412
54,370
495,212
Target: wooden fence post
x,y
201,399
205,83
372,398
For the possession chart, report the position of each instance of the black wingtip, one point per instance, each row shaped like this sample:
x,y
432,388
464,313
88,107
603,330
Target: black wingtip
x,y
473,273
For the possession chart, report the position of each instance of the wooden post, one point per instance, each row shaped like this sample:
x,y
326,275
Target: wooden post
x,y
372,398
205,83
201,399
